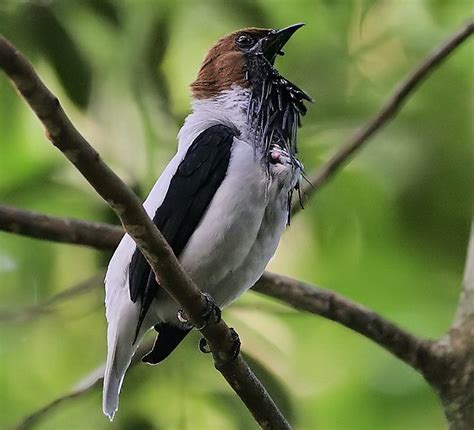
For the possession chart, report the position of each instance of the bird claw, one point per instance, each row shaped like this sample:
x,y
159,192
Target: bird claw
x,y
204,346
212,315
233,351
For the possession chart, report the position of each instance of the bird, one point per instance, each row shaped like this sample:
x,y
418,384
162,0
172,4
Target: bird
x,y
222,202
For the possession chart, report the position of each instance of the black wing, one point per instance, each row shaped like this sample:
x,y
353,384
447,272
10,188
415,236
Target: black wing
x,y
190,192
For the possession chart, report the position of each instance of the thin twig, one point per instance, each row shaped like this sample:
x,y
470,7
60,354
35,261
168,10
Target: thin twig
x,y
384,115
140,227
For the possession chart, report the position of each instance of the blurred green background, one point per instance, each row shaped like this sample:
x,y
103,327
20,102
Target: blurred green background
x,y
390,231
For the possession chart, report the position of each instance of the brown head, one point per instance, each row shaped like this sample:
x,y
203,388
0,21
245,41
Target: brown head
x,y
235,57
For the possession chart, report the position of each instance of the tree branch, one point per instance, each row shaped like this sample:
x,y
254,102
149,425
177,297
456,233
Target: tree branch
x,y
385,113
298,294
140,227
58,229
304,297
453,377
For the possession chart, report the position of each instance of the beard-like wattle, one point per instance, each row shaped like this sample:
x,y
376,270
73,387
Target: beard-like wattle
x,y
275,107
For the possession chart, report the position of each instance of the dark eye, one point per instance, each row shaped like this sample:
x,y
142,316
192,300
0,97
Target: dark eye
x,y
245,41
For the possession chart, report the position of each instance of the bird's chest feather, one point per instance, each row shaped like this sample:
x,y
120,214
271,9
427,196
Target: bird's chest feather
x,y
240,231
232,222
241,228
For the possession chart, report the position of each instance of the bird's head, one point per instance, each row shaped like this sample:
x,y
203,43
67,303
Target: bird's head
x,y
245,59
239,58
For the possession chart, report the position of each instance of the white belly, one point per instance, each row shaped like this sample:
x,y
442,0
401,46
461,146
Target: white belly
x,y
262,250
239,232
230,225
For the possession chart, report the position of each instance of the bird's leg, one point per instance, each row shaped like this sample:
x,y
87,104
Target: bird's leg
x,y
233,350
212,314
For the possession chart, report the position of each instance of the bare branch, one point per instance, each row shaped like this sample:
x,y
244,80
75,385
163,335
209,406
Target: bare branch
x,y
407,347
57,229
140,227
385,114
299,295
325,303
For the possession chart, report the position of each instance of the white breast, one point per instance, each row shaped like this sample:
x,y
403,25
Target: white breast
x,y
231,224
240,230
260,253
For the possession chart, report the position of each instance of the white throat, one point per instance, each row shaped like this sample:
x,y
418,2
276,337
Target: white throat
x,y
228,108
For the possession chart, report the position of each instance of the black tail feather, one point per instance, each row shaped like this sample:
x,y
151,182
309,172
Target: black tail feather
x,y
168,339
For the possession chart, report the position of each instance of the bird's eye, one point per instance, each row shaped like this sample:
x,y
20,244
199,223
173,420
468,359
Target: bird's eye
x,y
245,41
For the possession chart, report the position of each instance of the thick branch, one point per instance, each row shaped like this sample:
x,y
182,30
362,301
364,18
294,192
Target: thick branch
x,y
57,229
407,347
386,112
139,226
455,381
465,311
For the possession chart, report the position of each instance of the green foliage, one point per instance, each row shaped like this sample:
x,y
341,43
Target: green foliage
x,y
389,231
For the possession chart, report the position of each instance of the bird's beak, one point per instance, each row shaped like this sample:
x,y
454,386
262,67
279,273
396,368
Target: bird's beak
x,y
274,42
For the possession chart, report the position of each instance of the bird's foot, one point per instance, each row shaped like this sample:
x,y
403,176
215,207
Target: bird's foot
x,y
212,314
233,351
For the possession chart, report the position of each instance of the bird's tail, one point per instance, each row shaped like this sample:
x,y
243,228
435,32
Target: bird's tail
x,y
120,350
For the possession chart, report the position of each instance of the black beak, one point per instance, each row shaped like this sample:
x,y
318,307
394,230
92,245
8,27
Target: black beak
x,y
274,42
